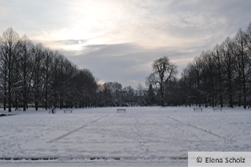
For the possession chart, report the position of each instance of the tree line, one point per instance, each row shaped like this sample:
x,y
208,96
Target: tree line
x,y
220,76
33,74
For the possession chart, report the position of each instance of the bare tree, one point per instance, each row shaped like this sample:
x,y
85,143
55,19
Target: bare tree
x,y
129,94
241,44
163,71
31,74
222,74
229,68
47,76
9,44
218,59
248,33
196,70
26,71
112,91
38,60
150,95
3,72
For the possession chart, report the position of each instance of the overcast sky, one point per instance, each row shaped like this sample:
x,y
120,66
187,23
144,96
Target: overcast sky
x,y
117,40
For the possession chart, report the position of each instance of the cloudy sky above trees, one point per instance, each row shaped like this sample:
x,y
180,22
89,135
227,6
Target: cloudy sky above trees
x,y
117,40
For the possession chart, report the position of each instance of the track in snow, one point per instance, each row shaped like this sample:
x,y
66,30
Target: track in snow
x,y
67,134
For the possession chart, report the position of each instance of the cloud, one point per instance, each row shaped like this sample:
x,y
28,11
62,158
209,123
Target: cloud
x,y
70,42
127,62
120,39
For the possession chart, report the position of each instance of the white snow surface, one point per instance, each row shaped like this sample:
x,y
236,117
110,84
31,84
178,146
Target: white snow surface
x,y
142,136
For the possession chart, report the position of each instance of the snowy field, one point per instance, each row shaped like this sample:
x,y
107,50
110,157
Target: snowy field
x,y
143,136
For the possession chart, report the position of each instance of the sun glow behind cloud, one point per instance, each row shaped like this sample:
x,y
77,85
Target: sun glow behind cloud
x,y
132,21
93,21
112,22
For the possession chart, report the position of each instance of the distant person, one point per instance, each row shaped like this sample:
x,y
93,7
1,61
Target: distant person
x,y
52,109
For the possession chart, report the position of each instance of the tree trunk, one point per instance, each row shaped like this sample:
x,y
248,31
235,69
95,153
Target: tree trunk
x,y
161,95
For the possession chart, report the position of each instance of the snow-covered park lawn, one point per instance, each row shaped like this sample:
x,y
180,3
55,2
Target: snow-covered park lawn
x,y
142,136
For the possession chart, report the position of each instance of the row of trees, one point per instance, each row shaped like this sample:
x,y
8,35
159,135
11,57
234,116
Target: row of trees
x,y
31,73
221,76
112,94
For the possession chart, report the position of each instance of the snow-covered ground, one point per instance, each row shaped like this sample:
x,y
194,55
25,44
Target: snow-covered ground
x,y
143,136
